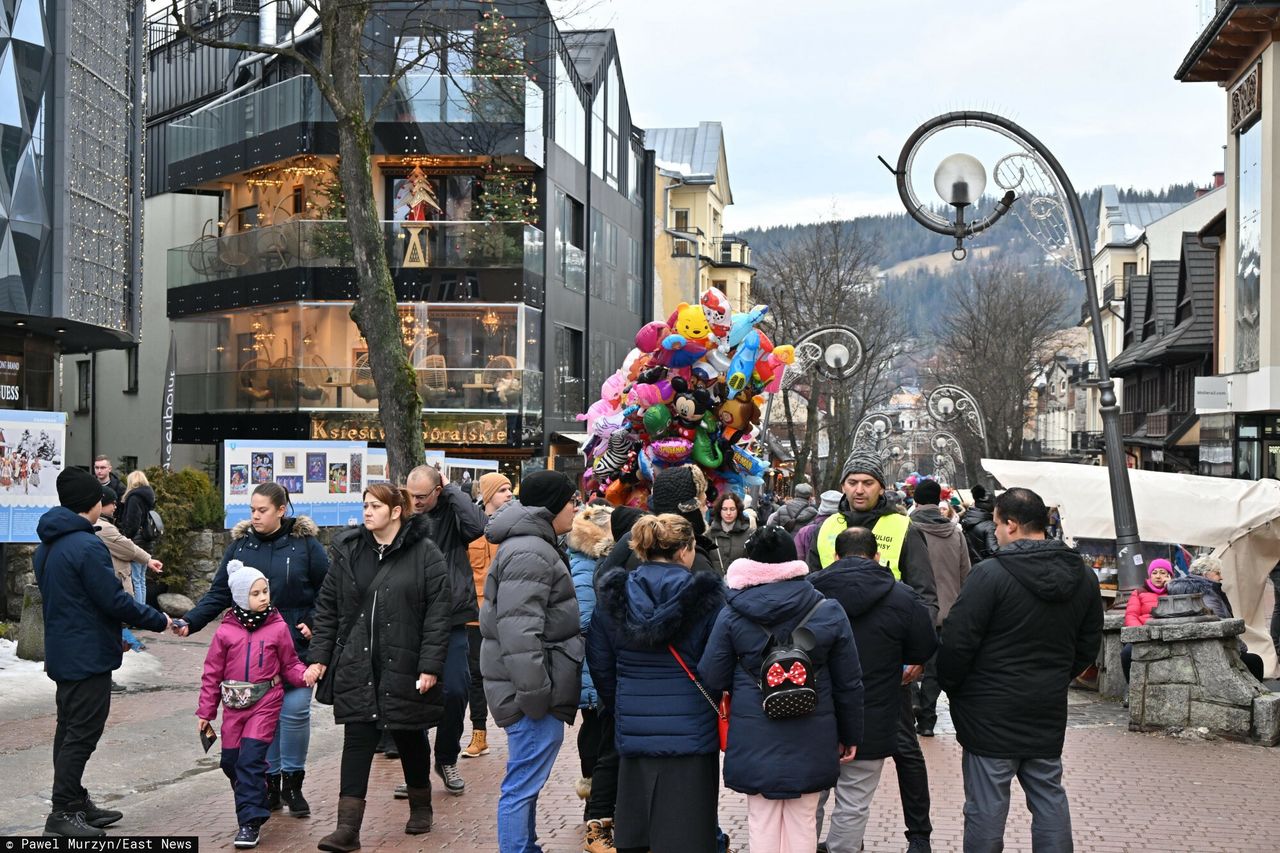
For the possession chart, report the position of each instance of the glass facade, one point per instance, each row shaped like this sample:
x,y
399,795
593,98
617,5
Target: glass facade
x,y
1249,248
570,118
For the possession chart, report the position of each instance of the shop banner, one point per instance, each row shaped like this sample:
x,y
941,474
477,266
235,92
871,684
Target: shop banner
x,y
31,449
325,479
166,405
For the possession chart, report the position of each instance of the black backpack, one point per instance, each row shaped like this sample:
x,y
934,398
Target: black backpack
x,y
152,526
788,686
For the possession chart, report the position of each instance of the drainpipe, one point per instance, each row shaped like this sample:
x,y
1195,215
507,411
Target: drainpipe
x,y
267,22
93,406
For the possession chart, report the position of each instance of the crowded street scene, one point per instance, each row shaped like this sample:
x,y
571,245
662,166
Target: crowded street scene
x,y
410,441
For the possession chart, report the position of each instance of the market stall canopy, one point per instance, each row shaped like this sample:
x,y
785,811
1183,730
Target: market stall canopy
x,y
1239,519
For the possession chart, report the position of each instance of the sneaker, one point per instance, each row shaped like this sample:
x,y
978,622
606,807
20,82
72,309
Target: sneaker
x,y
583,787
918,844
401,792
100,818
117,688
479,745
452,779
599,838
925,731
247,836
70,825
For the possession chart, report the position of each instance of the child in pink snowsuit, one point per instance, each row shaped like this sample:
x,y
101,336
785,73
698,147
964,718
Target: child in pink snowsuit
x,y
251,646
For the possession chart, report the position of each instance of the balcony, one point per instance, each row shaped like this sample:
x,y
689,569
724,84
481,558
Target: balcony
x,y
291,117
1160,424
258,387
1131,422
734,252
324,244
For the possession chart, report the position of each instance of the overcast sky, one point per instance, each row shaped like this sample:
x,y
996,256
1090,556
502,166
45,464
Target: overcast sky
x,y
810,91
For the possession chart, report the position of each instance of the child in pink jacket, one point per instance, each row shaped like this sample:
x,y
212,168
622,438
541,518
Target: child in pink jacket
x,y
252,646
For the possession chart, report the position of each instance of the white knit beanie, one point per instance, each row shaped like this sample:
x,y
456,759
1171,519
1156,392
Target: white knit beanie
x,y
241,578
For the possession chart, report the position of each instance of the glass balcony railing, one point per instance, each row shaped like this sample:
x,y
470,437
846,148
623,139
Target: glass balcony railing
x,y
308,243
274,389
417,99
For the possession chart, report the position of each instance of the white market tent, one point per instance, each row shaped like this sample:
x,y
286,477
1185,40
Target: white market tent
x,y
1238,519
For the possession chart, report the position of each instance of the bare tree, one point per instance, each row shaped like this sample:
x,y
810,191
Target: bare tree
x,y
413,37
826,277
1001,320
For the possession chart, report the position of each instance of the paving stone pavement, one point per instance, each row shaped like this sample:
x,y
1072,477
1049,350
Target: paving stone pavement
x,y
1129,792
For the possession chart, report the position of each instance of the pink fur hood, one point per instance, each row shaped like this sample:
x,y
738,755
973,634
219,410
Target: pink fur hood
x,y
744,573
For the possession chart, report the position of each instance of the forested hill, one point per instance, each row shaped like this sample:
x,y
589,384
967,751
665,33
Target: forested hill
x,y
919,291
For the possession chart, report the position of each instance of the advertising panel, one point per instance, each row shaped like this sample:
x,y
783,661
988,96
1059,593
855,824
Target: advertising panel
x,y
324,478
31,449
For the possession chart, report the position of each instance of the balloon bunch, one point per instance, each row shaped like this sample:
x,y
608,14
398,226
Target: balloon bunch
x,y
690,392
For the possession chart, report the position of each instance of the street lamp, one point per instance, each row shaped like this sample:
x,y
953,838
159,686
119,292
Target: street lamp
x,y
1055,219
835,352
950,404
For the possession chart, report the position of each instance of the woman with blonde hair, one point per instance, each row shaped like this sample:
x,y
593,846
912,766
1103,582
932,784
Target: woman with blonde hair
x,y
647,636
136,506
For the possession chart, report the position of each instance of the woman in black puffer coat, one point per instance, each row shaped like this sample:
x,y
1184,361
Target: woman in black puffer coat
x,y
386,645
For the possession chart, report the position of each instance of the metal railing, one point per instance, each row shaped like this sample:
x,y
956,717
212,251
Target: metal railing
x,y
274,389
1131,422
313,243
426,98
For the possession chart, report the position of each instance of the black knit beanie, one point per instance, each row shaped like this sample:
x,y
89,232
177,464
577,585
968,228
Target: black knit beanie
x,y
78,490
550,490
928,493
674,490
771,544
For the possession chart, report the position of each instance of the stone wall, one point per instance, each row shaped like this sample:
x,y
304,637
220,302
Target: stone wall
x,y
193,576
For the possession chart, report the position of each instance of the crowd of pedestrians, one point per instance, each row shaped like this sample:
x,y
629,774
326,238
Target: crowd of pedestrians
x,y
807,645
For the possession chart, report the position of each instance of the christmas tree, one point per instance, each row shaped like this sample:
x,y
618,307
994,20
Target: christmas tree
x,y
498,69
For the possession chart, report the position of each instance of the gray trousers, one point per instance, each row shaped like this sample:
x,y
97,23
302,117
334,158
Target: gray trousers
x,y
857,785
986,802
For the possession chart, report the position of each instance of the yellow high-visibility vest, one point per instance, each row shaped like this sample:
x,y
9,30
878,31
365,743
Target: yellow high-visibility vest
x,y
891,535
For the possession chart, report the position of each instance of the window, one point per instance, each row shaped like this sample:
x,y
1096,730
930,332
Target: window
x,y
1248,247
570,380
570,117
131,370
1130,270
128,463
680,219
570,259
635,274
83,387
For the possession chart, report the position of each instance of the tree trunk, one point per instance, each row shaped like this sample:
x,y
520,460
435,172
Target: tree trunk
x,y
375,312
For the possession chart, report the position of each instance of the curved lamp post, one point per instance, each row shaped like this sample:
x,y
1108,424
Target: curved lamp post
x,y
836,352
952,405
1054,218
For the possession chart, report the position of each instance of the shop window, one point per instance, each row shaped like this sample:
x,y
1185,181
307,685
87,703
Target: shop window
x,y
131,370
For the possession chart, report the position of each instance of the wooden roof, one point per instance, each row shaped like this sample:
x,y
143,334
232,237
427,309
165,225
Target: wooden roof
x,y
1231,39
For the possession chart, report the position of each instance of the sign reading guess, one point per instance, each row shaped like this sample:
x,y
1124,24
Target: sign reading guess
x,y
10,381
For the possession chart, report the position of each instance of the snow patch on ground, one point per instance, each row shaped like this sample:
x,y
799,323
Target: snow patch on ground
x,y
23,680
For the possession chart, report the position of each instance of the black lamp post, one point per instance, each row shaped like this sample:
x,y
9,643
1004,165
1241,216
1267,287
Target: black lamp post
x,y
1056,220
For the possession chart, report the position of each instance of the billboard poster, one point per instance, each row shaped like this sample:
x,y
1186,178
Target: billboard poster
x,y
324,478
31,449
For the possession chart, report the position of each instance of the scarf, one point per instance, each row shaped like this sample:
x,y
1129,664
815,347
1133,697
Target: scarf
x,y
1164,590
250,620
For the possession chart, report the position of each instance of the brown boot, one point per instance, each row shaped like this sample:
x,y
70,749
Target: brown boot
x,y
420,814
599,836
479,744
346,837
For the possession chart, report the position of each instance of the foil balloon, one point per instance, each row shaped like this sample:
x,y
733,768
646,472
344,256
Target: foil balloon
x,y
672,451
719,314
656,420
743,365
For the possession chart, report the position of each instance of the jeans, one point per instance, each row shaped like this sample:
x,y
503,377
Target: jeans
x,y
358,743
532,747
457,686
475,698
854,792
138,574
83,707
604,776
246,767
133,641
288,750
986,802
913,776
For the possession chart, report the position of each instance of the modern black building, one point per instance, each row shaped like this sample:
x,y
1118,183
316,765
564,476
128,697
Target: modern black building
x,y
70,142
517,202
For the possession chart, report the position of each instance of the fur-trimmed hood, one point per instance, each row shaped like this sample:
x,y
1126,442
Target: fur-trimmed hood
x,y
588,536
656,603
301,526
744,573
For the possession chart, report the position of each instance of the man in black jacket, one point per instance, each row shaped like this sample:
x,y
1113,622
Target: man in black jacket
x,y
893,632
454,523
1027,622
83,606
797,512
978,526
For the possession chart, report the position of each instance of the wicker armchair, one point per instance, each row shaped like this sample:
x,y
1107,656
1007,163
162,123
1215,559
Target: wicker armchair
x,y
433,380
501,376
254,385
362,380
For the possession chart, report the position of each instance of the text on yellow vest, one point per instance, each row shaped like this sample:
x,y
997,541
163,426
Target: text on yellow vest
x,y
891,535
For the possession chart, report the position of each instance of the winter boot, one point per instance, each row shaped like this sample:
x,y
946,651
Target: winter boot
x,y
99,818
273,791
420,814
346,837
479,744
599,836
70,825
291,793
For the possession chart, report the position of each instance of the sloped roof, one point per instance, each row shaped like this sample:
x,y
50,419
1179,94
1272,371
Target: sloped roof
x,y
691,152
1126,221
587,49
1194,335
